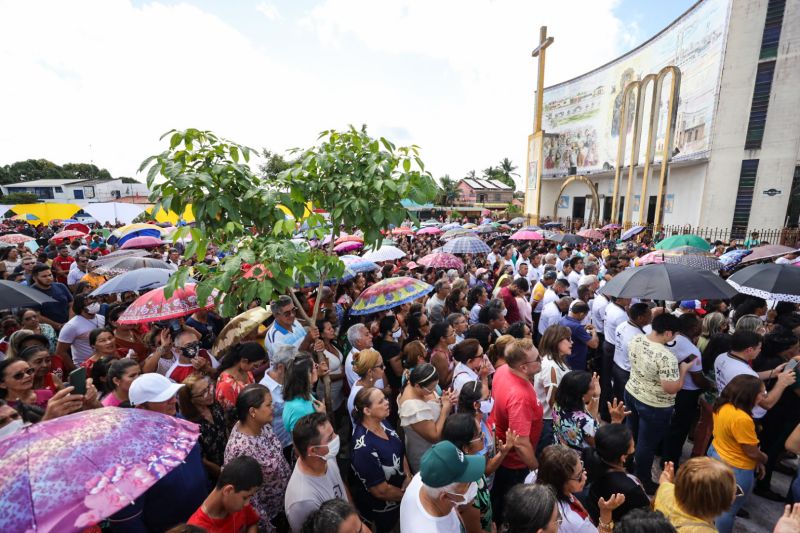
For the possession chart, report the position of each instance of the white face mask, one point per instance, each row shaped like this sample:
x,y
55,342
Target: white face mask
x,y
11,427
93,309
468,496
397,334
333,449
487,406
505,311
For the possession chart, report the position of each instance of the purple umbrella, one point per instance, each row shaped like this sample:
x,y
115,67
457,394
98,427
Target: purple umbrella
x,y
636,230
348,246
114,456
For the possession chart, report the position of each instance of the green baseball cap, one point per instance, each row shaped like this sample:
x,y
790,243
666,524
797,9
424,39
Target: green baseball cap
x,y
444,464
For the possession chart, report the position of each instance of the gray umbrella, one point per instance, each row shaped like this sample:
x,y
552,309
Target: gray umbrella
x,y
667,281
14,294
125,264
699,262
769,281
516,221
141,279
567,238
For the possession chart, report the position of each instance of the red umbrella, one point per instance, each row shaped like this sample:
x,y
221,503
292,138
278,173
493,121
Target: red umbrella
x,y
142,242
441,260
153,306
527,235
77,226
592,234
403,230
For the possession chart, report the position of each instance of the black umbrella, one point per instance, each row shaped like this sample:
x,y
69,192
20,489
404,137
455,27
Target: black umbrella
x,y
14,294
668,281
769,281
568,238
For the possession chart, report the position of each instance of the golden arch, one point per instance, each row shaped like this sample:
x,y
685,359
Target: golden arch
x,y
594,212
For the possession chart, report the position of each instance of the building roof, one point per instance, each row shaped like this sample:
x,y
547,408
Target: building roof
x,y
96,181
43,183
480,184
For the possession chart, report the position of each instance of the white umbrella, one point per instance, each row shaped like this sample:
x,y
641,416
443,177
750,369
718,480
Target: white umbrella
x,y
384,253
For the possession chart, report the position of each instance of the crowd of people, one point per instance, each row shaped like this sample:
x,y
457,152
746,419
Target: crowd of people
x,y
514,397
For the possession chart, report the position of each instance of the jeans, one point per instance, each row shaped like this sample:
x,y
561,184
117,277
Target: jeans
x,y
649,427
620,378
605,372
682,417
504,479
745,479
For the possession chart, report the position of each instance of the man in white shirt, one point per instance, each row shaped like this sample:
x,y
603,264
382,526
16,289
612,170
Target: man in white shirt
x,y
616,314
360,339
441,291
273,380
639,318
576,265
81,265
73,339
287,329
447,479
553,312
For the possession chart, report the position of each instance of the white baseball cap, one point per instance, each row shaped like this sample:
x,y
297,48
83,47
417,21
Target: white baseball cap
x,y
152,387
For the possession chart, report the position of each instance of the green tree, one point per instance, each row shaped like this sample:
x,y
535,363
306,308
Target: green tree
x,y
274,163
19,198
509,170
32,169
448,192
471,175
85,171
497,173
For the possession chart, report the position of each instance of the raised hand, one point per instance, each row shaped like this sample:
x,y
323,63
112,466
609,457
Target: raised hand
x,y
668,474
614,501
616,410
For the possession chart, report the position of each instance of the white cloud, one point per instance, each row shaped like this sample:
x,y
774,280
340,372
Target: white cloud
x,y
102,80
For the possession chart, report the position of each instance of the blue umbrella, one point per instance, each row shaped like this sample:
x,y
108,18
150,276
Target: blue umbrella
x,y
452,225
553,225
636,230
145,232
141,279
358,264
346,276
466,245
731,259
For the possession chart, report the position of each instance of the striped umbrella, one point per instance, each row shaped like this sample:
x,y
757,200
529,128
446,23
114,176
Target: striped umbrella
x,y
358,264
466,245
527,235
441,260
388,294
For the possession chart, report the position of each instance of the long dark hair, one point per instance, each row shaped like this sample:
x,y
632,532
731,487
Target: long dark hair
x,y
298,382
471,392
741,392
252,351
437,333
413,324
460,429
474,295
718,344
573,385
252,395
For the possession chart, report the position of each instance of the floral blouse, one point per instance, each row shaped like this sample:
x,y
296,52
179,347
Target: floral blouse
x,y
266,449
214,435
228,389
571,428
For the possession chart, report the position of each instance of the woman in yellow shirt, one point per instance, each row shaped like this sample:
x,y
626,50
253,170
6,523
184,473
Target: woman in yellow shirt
x,y
735,442
703,489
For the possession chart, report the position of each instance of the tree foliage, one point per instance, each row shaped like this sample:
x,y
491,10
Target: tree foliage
x,y
42,169
19,198
448,193
274,163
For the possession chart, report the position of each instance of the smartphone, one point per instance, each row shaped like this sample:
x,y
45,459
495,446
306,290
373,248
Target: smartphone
x,y
791,365
77,379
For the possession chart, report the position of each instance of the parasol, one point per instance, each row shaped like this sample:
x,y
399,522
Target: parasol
x,y
77,226
768,281
458,232
683,240
768,251
124,264
516,221
452,225
526,235
592,234
731,260
403,230
487,228
142,279
636,230
16,238
429,230
466,245
348,246
609,227
349,238
696,261
389,293
143,242
14,294
358,264
384,253
239,328
441,260
668,282
568,239
153,306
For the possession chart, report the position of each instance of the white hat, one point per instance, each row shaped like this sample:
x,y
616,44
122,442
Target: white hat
x,y
152,387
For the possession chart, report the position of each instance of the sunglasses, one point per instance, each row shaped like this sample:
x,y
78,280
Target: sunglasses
x,y
23,373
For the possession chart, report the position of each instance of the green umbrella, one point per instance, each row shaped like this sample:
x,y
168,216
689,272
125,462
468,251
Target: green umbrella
x,y
683,240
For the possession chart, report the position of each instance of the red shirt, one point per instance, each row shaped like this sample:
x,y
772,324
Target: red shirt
x,y
510,301
515,407
62,263
233,523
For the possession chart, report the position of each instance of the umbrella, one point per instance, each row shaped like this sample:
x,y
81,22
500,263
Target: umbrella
x,y
767,252
239,328
77,226
452,225
731,259
696,261
441,260
124,264
458,232
348,246
358,264
142,279
668,282
313,281
16,238
68,234
568,238
609,227
768,281
403,230
466,245
26,216
117,254
429,230
692,250
652,258
469,225
5,245
430,222
486,228
553,225
592,234
683,240
153,306
144,242
128,228
349,238
636,230
516,221
13,294
389,293
526,235
384,253
114,454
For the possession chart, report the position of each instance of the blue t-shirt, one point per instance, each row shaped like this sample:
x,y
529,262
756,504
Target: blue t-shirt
x,y
375,460
294,410
577,361
57,311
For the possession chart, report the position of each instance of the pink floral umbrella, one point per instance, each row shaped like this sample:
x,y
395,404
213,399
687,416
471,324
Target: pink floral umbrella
x,y
16,238
592,234
430,230
348,246
143,242
652,258
68,234
114,456
153,306
441,260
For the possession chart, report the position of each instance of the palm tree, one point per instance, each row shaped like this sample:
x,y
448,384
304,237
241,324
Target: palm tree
x,y
497,173
508,167
449,193
471,175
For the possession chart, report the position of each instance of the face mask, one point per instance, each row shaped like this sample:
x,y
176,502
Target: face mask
x,y
397,334
468,496
333,450
505,311
190,351
11,427
93,309
487,405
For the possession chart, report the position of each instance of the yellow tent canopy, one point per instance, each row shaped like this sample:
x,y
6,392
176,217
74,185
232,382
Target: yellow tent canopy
x,y
46,212
172,217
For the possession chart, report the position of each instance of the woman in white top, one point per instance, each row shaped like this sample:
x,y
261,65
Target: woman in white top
x,y
368,364
471,366
556,344
561,469
327,334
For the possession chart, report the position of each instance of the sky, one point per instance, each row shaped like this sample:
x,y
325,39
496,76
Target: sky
x,y
101,80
